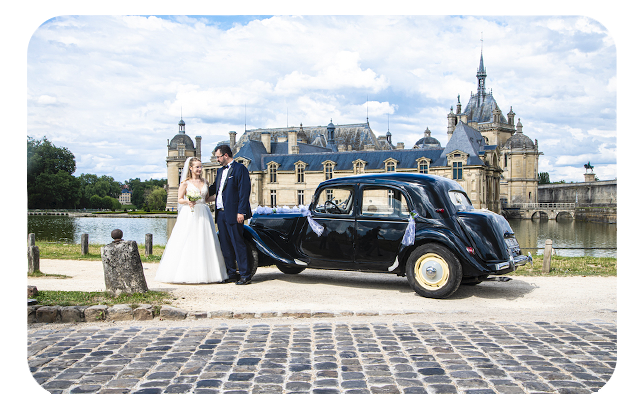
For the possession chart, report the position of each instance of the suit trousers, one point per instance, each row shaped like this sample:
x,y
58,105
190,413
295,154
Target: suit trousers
x,y
231,239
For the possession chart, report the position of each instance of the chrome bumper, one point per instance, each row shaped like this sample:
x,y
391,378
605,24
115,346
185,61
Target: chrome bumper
x,y
513,263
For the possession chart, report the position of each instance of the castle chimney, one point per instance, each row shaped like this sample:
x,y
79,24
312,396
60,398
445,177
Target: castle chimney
x,y
265,139
233,137
198,147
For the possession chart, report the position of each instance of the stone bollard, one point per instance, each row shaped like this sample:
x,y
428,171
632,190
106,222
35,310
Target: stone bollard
x,y
123,272
84,244
148,244
33,255
547,256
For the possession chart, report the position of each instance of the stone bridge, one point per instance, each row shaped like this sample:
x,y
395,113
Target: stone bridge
x,y
550,211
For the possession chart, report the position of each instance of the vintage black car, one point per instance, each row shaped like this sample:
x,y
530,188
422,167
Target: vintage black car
x,y
363,222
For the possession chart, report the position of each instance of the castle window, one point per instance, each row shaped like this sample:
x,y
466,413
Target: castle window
x,y
300,198
328,170
423,167
179,174
390,166
358,167
272,172
273,198
457,170
301,173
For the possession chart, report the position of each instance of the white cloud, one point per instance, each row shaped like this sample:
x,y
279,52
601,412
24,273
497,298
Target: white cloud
x,y
119,84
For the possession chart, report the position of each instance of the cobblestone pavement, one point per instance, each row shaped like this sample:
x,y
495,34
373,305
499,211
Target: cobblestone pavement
x,y
319,357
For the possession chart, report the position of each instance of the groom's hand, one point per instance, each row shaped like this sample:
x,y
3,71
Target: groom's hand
x,y
240,218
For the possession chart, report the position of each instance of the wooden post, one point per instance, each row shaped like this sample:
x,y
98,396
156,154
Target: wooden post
x,y
547,256
84,244
33,255
148,244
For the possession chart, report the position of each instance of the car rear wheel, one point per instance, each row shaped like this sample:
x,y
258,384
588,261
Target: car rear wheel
x,y
433,271
290,270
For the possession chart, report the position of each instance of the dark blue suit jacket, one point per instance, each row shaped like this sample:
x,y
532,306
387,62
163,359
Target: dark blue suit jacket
x,y
235,191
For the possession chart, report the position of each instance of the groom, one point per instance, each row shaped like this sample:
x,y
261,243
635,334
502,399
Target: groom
x,y
232,187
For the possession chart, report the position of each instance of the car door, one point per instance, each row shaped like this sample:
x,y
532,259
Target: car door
x,y
334,211
380,226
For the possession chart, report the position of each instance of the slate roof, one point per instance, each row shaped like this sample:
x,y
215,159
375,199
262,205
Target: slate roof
x,y
356,135
465,139
344,160
479,108
182,138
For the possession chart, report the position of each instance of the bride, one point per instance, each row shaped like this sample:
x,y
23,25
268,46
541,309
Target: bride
x,y
192,253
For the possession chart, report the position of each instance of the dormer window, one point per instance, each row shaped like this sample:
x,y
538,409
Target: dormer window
x,y
390,165
300,170
328,169
272,172
358,166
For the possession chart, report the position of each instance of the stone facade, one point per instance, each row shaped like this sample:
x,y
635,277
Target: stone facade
x,y
597,193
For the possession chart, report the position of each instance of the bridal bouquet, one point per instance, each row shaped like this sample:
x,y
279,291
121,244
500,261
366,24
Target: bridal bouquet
x,y
193,195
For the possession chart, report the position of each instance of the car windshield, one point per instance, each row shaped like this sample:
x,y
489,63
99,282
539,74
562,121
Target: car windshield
x,y
335,200
460,201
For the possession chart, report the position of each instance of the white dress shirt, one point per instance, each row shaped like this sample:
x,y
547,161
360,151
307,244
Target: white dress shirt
x,y
219,201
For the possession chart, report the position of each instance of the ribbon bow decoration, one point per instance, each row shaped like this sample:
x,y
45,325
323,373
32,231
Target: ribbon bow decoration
x,y
316,227
410,231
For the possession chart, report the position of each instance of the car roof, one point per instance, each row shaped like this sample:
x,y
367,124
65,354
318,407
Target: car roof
x,y
422,179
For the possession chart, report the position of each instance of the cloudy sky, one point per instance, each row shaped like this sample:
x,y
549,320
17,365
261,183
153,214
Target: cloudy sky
x,y
112,88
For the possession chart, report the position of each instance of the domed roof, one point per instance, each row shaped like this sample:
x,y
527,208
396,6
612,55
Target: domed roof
x,y
182,139
519,140
427,141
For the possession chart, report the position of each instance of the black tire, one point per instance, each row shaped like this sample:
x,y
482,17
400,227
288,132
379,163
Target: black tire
x,y
433,271
253,258
290,270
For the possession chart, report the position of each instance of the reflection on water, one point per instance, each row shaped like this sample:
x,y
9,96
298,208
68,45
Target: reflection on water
x,y
70,229
566,233
529,233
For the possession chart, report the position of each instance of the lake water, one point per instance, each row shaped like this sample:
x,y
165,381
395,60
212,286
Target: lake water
x,y
582,238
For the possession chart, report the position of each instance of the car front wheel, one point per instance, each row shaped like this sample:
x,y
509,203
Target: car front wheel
x,y
433,271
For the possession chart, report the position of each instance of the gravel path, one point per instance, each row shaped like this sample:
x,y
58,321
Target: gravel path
x,y
519,300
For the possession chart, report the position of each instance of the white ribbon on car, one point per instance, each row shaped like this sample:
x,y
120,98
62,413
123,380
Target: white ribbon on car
x,y
410,231
316,227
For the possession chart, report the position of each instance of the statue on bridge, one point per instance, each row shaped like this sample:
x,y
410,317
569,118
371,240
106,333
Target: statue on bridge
x,y
588,167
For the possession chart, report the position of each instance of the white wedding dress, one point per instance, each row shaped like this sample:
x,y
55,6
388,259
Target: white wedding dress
x,y
193,253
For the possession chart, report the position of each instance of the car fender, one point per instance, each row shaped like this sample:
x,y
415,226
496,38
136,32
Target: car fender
x,y
446,238
269,248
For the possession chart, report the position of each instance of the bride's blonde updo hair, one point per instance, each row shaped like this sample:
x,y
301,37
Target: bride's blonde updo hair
x,y
190,164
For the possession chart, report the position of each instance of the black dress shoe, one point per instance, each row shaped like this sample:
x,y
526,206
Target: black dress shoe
x,y
243,281
232,279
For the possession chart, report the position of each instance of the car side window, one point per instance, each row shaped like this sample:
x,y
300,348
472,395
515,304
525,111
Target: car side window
x,y
384,202
335,200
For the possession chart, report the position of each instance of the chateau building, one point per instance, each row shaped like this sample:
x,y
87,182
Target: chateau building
x,y
486,154
518,155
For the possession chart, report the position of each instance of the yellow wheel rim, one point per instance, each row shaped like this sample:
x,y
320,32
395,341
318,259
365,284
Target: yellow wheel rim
x,y
431,271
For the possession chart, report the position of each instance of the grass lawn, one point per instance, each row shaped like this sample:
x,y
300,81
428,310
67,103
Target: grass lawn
x,y
52,250
571,266
74,298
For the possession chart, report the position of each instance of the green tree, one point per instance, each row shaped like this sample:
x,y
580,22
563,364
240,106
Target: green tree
x,y
156,198
102,186
138,190
543,178
50,183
